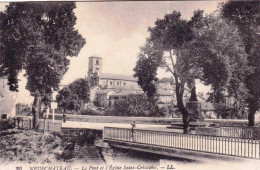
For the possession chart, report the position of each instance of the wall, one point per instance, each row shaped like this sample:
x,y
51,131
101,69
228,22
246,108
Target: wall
x,y
120,83
8,99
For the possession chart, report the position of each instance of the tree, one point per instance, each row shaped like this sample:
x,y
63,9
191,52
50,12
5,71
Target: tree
x,y
161,49
38,37
74,95
246,16
137,105
205,48
146,70
66,99
217,50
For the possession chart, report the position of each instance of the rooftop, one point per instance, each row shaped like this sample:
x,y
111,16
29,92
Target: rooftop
x,y
94,56
117,77
102,92
162,92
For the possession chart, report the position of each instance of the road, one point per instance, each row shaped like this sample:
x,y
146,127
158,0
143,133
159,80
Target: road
x,y
100,126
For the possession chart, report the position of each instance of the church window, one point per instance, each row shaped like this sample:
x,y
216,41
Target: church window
x,y
97,62
124,83
118,83
111,82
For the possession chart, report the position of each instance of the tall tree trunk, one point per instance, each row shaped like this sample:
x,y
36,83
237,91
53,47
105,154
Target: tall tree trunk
x,y
181,107
185,116
179,88
36,111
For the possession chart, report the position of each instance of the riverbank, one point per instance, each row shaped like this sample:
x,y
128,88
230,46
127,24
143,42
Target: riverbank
x,y
27,147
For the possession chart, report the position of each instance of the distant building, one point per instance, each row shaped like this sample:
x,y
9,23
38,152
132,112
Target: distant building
x,y
106,88
7,100
165,93
103,85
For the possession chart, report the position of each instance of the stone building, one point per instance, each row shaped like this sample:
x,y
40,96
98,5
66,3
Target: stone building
x,y
7,100
107,80
103,85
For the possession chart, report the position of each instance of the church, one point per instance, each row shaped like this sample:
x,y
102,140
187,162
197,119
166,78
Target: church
x,y
108,87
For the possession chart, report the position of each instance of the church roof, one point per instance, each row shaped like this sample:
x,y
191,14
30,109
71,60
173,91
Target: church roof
x,y
117,77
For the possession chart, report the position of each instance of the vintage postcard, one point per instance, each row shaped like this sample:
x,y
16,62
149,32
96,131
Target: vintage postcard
x,y
129,85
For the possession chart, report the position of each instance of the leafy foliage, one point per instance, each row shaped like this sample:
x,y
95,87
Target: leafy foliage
x,y
245,15
146,69
38,37
205,48
218,52
30,147
80,88
163,50
136,105
72,97
90,111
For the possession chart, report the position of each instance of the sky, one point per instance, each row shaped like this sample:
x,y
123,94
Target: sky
x,y
115,31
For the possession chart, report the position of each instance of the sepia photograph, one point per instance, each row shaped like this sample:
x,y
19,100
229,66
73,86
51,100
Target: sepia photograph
x,y
130,85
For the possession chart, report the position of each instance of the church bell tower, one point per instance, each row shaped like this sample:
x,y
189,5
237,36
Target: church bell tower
x,y
94,64
94,69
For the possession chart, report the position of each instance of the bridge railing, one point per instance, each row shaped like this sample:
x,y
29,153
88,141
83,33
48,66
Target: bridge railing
x,y
247,148
241,132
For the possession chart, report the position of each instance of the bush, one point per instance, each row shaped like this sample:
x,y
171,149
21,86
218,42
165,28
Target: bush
x,y
30,147
66,155
68,151
136,105
6,124
90,112
96,103
110,112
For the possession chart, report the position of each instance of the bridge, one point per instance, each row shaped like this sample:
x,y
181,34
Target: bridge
x,y
188,146
158,139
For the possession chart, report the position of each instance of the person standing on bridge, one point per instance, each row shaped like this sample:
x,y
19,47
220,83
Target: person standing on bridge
x,y
64,117
132,130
